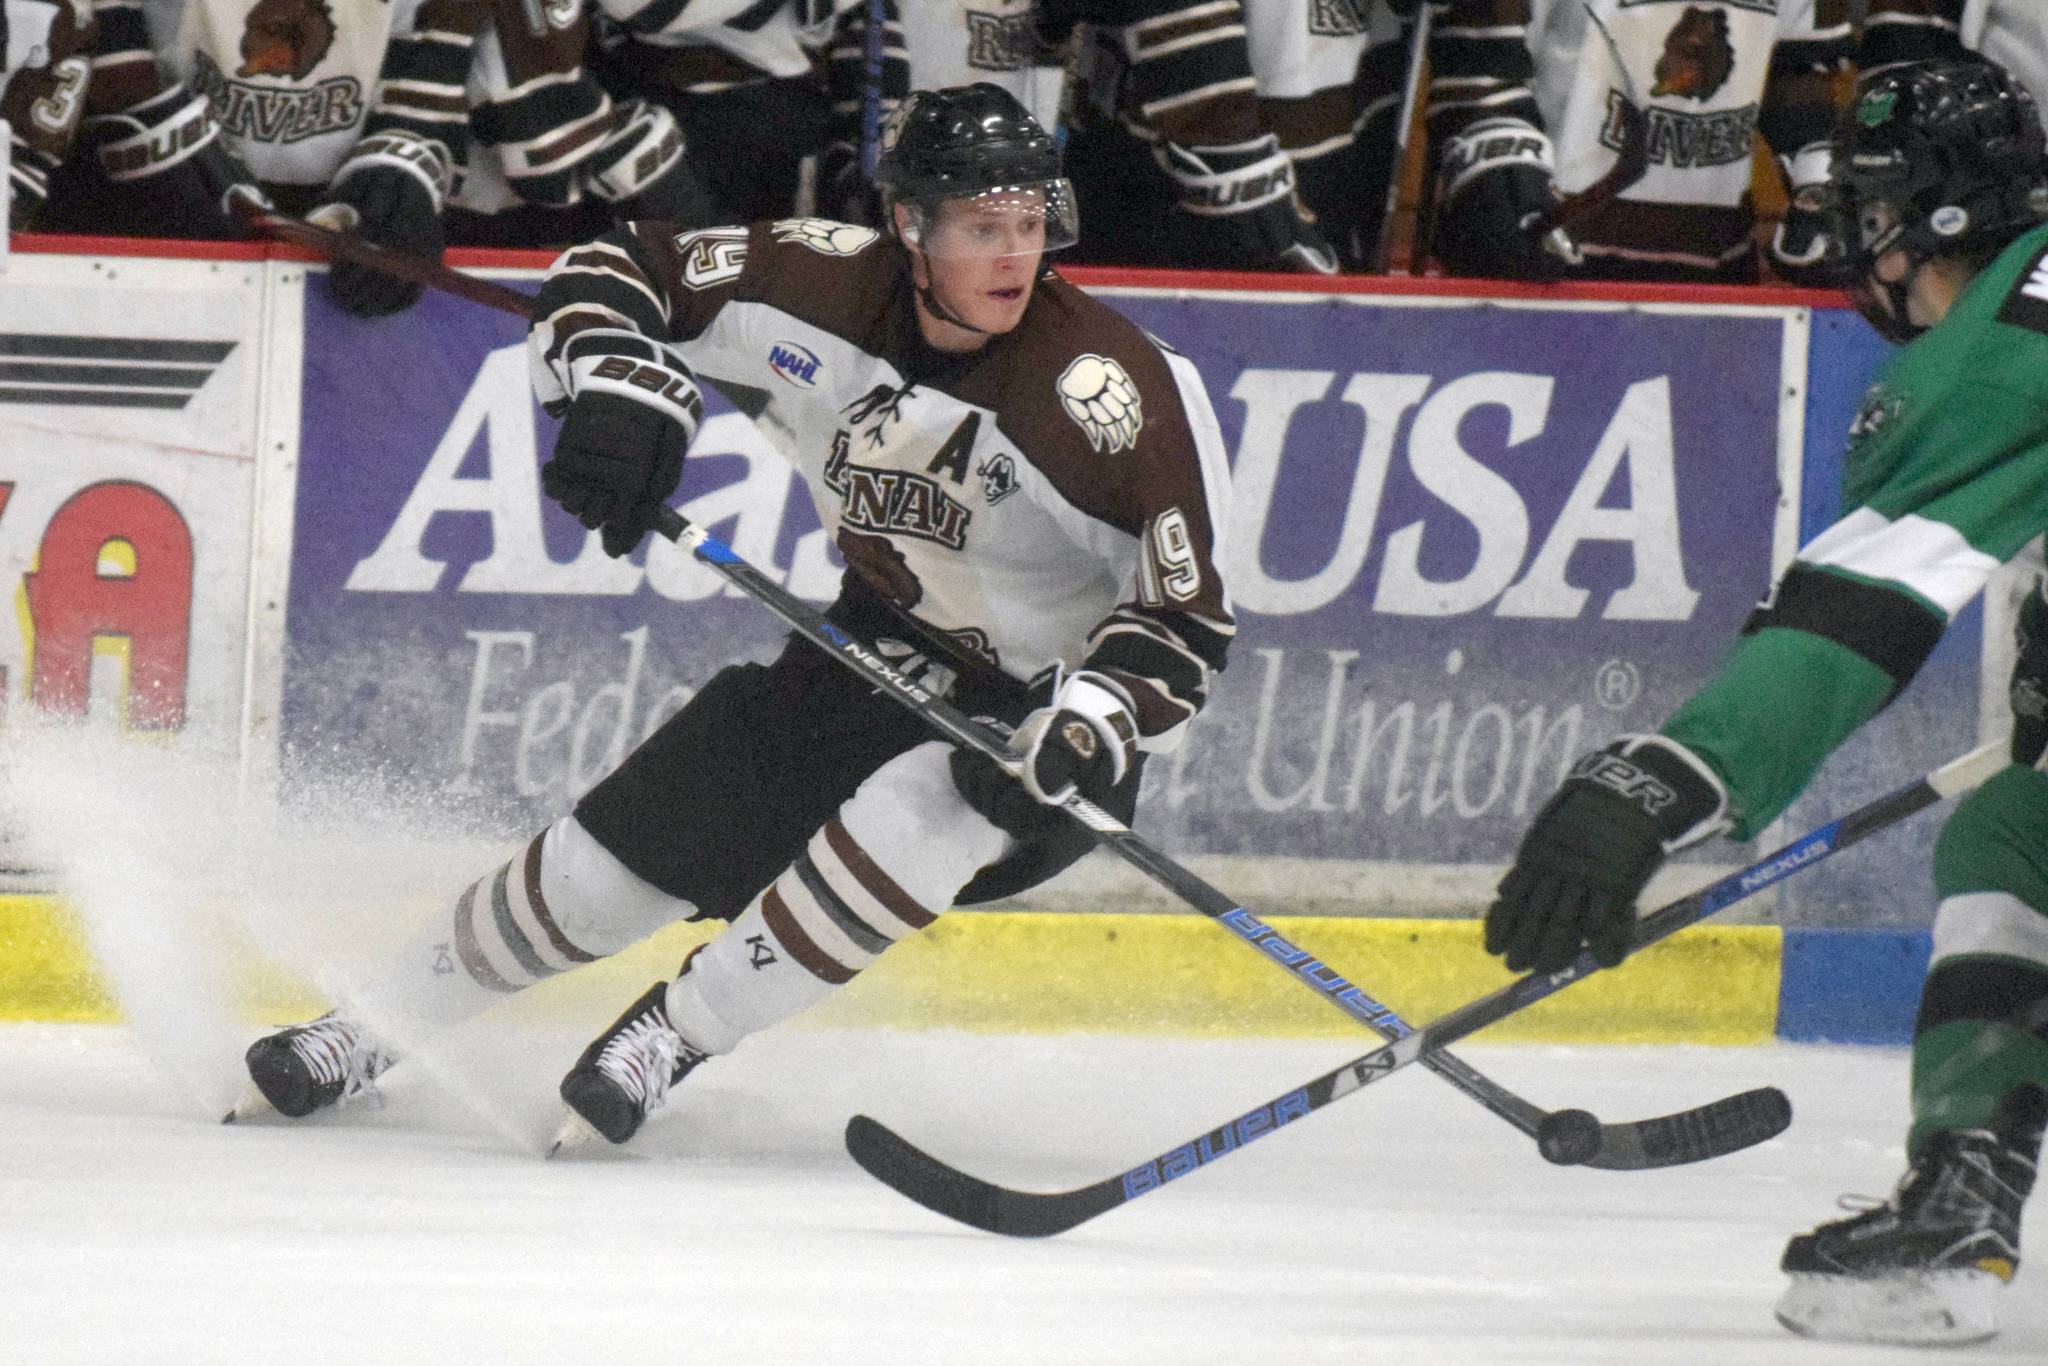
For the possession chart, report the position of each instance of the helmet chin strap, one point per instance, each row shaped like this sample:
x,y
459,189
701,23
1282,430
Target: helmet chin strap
x,y
928,296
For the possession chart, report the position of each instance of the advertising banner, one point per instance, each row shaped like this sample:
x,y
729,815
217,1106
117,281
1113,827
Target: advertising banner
x,y
1470,541
128,421
128,433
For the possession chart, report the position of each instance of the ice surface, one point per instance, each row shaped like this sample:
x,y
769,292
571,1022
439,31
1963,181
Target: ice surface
x,y
1402,1225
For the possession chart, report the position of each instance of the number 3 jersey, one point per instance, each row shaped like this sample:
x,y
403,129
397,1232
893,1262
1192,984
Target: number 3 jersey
x,y
1058,495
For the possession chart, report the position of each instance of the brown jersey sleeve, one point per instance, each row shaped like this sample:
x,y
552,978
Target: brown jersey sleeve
x,y
1100,409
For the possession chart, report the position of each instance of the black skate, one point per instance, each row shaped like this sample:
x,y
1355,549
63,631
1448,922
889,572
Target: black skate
x,y
312,1066
626,1072
1923,1268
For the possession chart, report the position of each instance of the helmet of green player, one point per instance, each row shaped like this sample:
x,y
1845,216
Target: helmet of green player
x,y
1934,159
973,142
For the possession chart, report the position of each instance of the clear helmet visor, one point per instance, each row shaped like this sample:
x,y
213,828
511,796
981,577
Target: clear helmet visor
x,y
1011,220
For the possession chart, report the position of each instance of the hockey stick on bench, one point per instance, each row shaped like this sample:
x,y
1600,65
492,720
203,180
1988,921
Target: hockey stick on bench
x,y
947,1190
1564,1136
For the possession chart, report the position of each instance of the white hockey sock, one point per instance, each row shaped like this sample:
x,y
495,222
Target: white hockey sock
x,y
896,854
562,901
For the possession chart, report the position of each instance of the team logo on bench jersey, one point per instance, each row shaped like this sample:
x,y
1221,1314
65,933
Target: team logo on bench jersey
x,y
1098,394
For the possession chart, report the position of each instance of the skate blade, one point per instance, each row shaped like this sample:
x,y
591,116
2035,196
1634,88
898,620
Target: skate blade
x,y
1916,1309
575,1133
250,1106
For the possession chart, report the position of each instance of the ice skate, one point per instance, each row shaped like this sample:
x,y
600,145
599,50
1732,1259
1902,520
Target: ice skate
x,y
309,1067
1924,1268
625,1073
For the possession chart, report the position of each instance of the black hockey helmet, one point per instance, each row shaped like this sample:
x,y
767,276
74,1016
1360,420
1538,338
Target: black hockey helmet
x,y
1942,159
971,142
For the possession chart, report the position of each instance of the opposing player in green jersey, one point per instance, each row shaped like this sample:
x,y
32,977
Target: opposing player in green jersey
x,y
1941,180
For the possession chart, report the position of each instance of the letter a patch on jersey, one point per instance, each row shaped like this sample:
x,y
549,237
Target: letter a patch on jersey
x,y
2027,303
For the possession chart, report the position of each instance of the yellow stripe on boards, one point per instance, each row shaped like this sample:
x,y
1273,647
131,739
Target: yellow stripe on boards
x,y
1047,972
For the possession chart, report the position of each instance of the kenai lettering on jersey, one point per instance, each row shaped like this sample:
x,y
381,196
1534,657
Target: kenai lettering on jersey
x,y
896,502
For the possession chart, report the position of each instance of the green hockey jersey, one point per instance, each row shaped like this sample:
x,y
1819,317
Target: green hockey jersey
x,y
1946,478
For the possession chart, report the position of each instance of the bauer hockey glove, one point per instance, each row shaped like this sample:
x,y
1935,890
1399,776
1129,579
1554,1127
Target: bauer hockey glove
x,y
1082,740
1080,735
632,412
1241,198
1594,846
389,193
167,170
641,169
2028,691
1497,177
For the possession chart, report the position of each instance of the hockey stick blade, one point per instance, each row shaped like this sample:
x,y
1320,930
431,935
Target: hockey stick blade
x,y
903,1166
1725,1126
944,1189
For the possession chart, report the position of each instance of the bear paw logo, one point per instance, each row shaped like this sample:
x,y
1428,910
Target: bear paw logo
x,y
286,38
825,236
1100,397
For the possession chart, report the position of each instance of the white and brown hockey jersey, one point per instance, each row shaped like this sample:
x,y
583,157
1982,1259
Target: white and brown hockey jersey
x,y
1712,75
1059,494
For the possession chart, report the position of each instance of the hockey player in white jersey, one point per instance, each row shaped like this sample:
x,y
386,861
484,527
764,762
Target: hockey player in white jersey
x,y
1029,493
1712,76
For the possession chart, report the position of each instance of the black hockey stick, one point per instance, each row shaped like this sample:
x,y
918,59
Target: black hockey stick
x,y
1565,1137
403,265
947,1190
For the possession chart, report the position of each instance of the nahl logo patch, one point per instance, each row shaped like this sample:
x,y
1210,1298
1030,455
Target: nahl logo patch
x,y
824,236
1098,394
797,364
2027,303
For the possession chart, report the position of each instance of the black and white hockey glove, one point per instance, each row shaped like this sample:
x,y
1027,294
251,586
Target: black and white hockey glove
x,y
167,172
1080,736
1594,846
2028,690
642,171
1808,247
632,411
1083,740
1241,198
389,192
1497,178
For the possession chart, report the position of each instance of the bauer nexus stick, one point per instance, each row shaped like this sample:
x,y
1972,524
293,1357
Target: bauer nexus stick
x,y
947,1190
1565,1137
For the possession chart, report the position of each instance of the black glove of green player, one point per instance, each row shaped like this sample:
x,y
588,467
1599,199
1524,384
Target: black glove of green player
x,y
2028,691
1592,848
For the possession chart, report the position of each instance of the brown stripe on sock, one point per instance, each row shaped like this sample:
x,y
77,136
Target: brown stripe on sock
x,y
539,906
470,952
877,883
801,946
